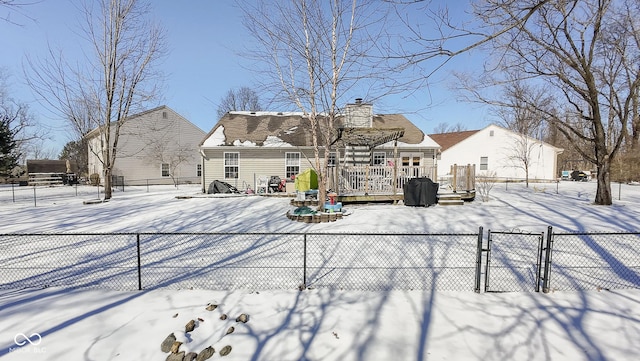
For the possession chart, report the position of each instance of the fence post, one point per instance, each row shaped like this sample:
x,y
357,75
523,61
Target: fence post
x,y
139,263
619,189
304,263
478,260
539,265
547,260
486,273
34,196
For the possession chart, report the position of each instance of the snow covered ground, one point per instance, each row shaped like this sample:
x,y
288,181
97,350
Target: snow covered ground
x,y
319,324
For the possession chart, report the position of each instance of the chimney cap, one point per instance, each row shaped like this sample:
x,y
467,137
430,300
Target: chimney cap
x,y
358,100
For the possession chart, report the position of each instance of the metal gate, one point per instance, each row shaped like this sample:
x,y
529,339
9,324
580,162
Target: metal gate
x,y
514,262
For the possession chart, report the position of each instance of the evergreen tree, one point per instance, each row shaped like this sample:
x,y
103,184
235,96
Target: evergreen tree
x,y
77,153
8,149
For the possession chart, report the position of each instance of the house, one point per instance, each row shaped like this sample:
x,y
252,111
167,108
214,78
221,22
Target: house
x,y
499,152
157,146
246,148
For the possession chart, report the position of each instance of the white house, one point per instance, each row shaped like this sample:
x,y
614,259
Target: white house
x,y
245,147
157,146
498,151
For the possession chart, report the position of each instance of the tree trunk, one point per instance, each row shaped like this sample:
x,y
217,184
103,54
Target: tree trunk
x,y
107,183
603,192
322,190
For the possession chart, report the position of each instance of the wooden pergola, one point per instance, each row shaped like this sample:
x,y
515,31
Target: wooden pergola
x,y
371,138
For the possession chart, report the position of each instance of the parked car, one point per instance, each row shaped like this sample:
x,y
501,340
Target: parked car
x,y
578,175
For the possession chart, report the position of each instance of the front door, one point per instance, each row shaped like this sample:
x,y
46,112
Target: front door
x,y
411,163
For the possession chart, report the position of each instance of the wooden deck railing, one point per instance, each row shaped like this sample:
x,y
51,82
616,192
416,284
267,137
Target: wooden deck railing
x,y
368,179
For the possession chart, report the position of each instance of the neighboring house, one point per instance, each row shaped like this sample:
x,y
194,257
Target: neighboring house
x,y
157,146
244,148
498,150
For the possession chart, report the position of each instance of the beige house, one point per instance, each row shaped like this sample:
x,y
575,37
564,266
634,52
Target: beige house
x,y
245,149
157,146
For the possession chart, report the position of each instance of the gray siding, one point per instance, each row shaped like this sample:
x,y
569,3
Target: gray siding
x,y
150,139
253,162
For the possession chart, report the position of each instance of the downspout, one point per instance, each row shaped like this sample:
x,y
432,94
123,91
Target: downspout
x,y
202,177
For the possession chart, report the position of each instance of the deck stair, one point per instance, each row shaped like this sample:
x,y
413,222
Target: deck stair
x,y
450,199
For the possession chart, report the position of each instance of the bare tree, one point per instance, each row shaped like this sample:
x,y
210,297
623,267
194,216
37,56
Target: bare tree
x,y
118,78
591,72
27,133
315,51
39,151
584,54
516,114
243,98
15,6
157,150
444,127
484,184
520,154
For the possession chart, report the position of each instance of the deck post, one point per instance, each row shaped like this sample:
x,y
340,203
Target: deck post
x,y
336,173
395,168
366,179
454,180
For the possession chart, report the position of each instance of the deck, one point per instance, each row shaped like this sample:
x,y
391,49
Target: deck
x,y
372,184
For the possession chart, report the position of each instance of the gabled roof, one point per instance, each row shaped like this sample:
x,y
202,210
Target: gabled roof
x,y
448,140
271,129
96,131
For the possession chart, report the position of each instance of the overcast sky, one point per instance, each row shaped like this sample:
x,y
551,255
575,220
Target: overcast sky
x,y
205,39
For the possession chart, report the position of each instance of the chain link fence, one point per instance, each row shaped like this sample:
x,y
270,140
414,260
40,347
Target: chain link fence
x,y
46,194
594,261
392,261
513,262
350,261
77,260
222,260
36,195
239,261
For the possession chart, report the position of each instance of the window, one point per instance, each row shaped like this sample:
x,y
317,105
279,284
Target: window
x,y
491,133
379,158
165,169
292,164
164,115
199,170
231,165
331,162
484,163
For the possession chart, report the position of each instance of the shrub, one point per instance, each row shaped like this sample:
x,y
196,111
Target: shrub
x,y
484,184
94,179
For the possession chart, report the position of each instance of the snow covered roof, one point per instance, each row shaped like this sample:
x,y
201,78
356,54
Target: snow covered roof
x,y
292,129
